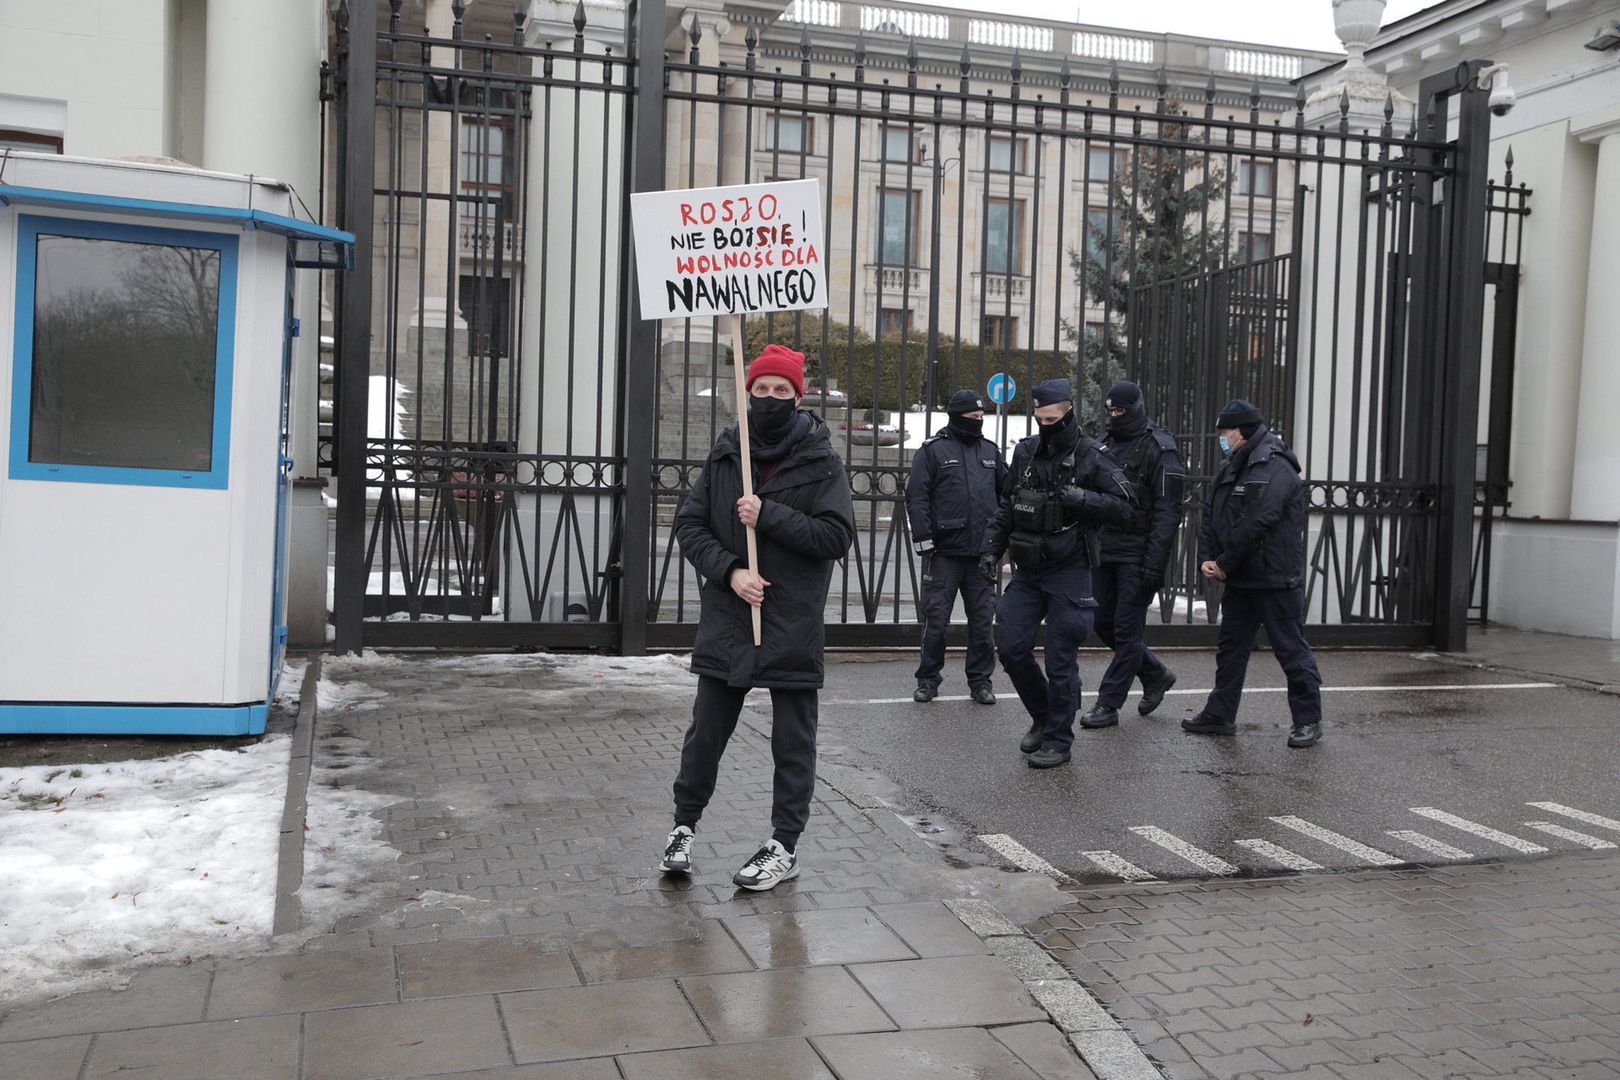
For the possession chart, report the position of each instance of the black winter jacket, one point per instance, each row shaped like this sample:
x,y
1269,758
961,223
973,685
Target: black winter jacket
x,y
1159,479
953,491
1254,517
1108,499
806,524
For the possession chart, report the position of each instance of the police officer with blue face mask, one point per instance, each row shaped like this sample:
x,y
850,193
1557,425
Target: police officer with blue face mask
x,y
1060,489
1253,540
951,498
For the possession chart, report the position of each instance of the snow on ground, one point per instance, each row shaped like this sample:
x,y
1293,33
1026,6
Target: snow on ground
x,y
920,425
102,865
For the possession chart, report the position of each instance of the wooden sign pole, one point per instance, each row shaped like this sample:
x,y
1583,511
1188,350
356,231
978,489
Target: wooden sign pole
x,y
737,362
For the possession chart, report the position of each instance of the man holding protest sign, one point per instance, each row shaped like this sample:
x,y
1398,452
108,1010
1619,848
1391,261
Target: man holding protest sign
x,y
766,556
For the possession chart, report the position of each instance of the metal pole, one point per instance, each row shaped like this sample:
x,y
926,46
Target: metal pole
x,y
931,397
354,340
644,36
1467,194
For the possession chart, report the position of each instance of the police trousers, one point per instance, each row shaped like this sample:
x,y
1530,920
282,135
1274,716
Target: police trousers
x,y
1062,598
793,748
1121,617
943,577
1282,613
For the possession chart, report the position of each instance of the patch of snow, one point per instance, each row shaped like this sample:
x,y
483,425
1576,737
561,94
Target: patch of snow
x,y
102,865
345,856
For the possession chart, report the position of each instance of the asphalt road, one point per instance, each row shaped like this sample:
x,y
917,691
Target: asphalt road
x,y
1473,744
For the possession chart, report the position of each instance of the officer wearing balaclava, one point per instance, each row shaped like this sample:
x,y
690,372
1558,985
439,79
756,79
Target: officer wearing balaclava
x,y
1060,489
1135,556
951,498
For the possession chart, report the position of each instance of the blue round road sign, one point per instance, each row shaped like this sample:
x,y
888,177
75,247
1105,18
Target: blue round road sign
x,y
1001,388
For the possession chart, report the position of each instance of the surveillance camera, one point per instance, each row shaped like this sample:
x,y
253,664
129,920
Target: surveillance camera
x,y
1502,97
1502,100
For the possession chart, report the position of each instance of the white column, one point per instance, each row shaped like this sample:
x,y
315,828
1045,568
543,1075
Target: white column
x,y
262,115
1595,488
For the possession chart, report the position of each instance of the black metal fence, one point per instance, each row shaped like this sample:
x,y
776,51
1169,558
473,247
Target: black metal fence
x,y
512,440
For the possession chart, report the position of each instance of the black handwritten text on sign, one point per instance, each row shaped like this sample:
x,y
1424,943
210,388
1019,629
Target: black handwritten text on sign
x,y
730,250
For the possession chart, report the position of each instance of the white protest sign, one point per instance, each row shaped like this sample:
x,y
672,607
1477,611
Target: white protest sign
x,y
730,250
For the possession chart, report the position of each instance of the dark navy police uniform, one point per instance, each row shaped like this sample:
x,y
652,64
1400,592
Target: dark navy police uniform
x,y
1254,529
1060,488
1135,556
951,498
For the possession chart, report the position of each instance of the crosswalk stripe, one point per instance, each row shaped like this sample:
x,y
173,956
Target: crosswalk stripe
x,y
1579,815
1110,863
1280,855
1484,832
1179,847
1571,835
1429,844
1449,688
1021,856
1343,843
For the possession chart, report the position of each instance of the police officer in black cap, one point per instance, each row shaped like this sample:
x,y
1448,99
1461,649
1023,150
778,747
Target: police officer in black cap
x,y
951,498
1134,557
1253,540
1060,489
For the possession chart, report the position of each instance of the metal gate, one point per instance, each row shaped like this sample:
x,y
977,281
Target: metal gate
x,y
512,441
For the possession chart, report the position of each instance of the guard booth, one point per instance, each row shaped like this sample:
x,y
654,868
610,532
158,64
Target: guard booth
x,y
146,321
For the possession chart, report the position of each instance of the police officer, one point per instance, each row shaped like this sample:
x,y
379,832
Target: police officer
x,y
1134,556
1253,540
1060,488
951,498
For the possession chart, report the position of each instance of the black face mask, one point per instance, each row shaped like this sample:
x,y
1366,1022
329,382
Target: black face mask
x,y
1059,431
1132,424
770,419
967,429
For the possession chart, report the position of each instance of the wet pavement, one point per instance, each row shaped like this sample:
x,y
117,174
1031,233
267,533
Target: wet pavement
x,y
952,918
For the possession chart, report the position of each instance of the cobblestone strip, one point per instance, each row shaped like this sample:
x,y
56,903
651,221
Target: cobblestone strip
x,y
1105,1046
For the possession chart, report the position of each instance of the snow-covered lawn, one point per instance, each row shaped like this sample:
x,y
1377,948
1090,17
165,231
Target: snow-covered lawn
x,y
104,864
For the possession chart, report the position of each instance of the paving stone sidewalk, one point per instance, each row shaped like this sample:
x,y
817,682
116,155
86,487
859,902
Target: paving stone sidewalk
x,y
516,929
1485,970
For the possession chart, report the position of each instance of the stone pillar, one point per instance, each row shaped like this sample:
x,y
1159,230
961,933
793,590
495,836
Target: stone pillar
x,y
1595,488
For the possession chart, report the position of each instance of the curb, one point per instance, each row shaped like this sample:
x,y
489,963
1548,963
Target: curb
x,y
1574,682
290,848
1106,1047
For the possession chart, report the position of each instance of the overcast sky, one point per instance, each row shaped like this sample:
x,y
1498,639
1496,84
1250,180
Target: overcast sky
x,y
1306,24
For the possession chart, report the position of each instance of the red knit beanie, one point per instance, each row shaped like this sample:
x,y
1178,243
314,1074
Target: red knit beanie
x,y
779,360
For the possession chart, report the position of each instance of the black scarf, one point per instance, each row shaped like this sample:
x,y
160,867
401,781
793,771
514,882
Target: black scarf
x,y
969,431
768,446
1125,429
1058,437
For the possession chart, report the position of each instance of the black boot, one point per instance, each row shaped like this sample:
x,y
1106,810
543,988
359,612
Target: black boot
x,y
1153,693
925,692
1031,741
983,695
1202,724
1100,716
1304,735
1047,757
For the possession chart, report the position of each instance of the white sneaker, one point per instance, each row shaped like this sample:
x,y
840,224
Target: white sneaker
x,y
678,852
770,866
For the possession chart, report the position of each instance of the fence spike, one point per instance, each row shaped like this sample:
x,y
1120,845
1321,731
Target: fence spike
x,y
458,12
394,7
1507,178
520,15
1163,86
751,44
1209,97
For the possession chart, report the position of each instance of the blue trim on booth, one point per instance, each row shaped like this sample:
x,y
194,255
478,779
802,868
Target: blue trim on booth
x,y
22,468
19,718
292,228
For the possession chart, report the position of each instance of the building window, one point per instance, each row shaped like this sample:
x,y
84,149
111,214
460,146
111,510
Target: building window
x,y
1006,154
483,156
897,226
1105,164
899,144
998,331
788,134
30,140
1254,247
1101,225
1094,331
1004,236
125,337
893,322
1256,178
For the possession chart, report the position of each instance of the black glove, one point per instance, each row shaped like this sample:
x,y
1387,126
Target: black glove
x,y
1075,501
1152,582
990,567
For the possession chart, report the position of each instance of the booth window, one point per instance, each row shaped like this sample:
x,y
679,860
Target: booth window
x,y
123,354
